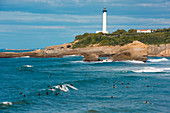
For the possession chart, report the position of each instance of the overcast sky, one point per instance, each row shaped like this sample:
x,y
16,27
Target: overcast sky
x,y
42,23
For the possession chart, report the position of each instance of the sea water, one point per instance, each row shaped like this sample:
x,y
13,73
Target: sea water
x,y
102,86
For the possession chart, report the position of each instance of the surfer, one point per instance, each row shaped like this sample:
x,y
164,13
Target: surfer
x,y
50,75
39,94
20,92
47,93
146,102
24,95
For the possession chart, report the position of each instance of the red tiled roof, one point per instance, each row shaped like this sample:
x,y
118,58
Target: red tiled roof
x,y
143,29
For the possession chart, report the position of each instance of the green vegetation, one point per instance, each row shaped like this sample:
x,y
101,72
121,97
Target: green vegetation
x,y
121,37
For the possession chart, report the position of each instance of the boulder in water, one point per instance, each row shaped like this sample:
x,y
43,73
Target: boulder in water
x,y
90,57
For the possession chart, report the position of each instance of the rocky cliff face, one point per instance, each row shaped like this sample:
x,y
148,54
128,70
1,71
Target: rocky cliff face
x,y
159,50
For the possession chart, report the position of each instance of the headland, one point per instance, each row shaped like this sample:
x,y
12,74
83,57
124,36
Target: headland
x,y
119,45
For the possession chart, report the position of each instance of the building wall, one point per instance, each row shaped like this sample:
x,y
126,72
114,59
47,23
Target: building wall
x,y
145,31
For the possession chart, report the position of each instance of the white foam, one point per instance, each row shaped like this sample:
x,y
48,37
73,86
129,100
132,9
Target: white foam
x,y
64,87
52,89
77,61
27,66
135,61
107,60
72,56
149,70
168,69
42,89
71,86
25,57
132,61
92,62
7,103
158,60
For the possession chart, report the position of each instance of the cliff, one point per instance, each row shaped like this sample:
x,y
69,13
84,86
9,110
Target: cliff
x,y
101,51
131,51
159,50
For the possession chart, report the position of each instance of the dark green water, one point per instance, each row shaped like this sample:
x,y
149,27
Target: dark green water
x,y
145,82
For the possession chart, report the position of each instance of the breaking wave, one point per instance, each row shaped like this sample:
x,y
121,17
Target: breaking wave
x,y
132,61
6,103
25,57
73,56
158,60
27,66
149,70
92,62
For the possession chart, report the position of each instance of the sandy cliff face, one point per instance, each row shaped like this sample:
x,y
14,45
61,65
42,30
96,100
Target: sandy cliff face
x,y
64,50
134,49
131,51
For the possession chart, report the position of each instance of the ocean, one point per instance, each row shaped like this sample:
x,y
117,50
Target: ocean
x,y
107,87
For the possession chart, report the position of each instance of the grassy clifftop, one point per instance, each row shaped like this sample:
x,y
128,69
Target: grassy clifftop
x,y
121,37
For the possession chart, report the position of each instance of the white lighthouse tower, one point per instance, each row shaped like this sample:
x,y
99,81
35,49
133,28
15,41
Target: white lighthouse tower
x,y
104,21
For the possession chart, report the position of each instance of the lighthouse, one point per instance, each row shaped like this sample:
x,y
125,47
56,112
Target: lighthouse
x,y
104,21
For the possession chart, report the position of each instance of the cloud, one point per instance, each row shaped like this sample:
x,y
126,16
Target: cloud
x,y
26,17
71,2
31,22
36,17
165,4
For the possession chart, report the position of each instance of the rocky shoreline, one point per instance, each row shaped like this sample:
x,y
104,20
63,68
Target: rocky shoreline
x,y
131,51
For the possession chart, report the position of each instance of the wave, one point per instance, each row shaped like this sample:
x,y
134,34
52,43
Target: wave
x,y
132,61
27,66
6,103
158,60
107,60
23,57
73,56
149,70
92,62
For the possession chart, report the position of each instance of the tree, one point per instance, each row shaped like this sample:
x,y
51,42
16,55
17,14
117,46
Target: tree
x,y
121,31
132,31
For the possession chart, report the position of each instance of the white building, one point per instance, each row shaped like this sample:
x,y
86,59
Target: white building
x,y
145,31
104,22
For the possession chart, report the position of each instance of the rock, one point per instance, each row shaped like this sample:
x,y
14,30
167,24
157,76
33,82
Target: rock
x,y
159,50
131,51
165,53
91,57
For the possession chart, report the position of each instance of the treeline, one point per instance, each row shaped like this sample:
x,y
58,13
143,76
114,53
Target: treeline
x,y
121,37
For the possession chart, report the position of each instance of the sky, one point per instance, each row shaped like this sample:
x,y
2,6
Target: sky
x,y
30,24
